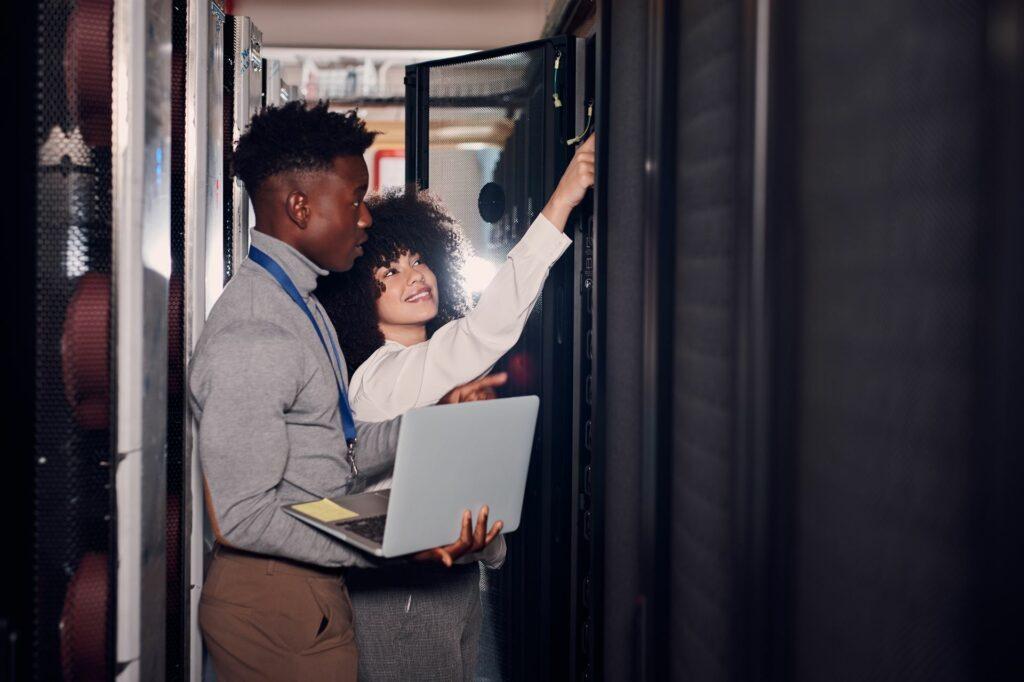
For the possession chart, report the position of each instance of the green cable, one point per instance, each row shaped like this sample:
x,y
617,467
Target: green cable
x,y
554,96
586,128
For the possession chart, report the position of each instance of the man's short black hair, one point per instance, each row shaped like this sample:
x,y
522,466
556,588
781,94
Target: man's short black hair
x,y
296,137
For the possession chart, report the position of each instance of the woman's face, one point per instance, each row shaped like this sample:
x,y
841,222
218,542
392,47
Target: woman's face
x,y
408,291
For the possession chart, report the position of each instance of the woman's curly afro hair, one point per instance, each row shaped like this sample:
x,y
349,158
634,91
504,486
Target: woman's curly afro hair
x,y
403,222
297,137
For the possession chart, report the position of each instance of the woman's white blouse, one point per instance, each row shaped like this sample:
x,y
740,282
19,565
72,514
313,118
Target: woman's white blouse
x,y
397,378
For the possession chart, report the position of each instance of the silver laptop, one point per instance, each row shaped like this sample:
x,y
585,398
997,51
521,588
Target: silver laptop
x,y
449,458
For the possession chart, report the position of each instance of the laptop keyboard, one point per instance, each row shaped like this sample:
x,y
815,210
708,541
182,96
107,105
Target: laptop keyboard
x,y
371,528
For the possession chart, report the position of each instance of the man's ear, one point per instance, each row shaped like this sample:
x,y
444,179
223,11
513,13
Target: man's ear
x,y
297,206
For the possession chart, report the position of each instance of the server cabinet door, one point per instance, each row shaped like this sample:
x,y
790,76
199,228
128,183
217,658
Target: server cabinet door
x,y
487,134
243,99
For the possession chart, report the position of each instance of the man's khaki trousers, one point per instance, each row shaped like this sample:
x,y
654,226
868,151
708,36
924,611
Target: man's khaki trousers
x,y
273,619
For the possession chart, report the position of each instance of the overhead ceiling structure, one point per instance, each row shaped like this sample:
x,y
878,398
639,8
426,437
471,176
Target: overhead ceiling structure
x,y
397,24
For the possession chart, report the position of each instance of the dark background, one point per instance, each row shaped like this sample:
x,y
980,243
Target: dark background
x,y
812,449
806,459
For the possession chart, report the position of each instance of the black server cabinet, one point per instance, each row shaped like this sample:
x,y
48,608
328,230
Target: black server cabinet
x,y
585,570
57,611
844,439
488,134
896,223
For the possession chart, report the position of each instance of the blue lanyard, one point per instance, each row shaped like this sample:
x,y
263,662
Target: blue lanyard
x,y
348,422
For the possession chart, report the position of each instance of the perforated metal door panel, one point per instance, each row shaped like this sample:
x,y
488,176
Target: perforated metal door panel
x,y
73,558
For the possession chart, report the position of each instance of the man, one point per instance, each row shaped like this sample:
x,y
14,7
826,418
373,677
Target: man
x,y
268,387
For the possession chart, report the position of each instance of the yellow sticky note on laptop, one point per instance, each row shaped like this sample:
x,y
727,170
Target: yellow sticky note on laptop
x,y
325,510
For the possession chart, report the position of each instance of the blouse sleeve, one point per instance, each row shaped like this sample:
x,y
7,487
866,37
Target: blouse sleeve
x,y
396,379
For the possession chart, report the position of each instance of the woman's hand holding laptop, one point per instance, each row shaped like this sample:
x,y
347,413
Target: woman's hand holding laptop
x,y
469,540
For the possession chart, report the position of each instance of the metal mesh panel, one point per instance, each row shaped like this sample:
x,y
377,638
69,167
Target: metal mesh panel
x,y
73,500
705,362
480,120
486,122
228,108
889,199
177,592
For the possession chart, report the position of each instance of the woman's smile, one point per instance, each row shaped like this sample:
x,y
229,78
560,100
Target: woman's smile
x,y
419,295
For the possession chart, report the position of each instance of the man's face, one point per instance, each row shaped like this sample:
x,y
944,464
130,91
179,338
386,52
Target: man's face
x,y
338,217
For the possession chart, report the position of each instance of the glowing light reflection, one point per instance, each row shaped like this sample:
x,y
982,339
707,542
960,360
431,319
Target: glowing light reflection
x,y
478,273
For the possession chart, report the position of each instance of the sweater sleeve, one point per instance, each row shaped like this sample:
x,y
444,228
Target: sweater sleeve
x,y
375,445
243,384
397,379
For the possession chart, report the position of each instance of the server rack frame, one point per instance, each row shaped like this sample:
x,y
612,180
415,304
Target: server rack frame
x,y
215,36
272,83
141,254
585,565
204,268
659,228
530,659
243,77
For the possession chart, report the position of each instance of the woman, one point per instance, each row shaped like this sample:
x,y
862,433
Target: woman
x,y
399,317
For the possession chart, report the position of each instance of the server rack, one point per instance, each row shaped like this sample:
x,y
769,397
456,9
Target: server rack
x,y
141,152
91,291
840,406
276,91
70,387
203,255
585,571
522,104
243,98
209,28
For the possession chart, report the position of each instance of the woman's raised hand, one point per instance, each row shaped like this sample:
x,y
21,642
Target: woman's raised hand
x,y
573,186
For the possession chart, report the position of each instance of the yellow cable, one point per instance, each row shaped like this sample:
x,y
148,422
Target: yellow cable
x,y
586,128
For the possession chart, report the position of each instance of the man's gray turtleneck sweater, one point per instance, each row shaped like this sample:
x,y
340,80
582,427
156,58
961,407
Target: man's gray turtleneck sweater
x,y
263,390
